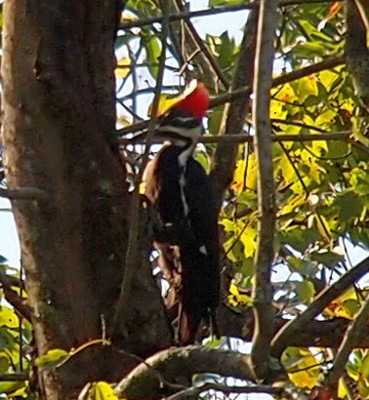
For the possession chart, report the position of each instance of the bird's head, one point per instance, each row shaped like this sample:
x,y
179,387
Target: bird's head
x,y
182,123
196,102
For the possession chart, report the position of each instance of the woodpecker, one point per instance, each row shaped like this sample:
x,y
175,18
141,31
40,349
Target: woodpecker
x,y
186,235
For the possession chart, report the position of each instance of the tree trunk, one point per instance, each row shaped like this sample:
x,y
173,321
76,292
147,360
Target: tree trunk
x,y
59,124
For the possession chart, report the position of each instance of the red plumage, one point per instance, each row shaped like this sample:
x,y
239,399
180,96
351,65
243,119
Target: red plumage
x,y
196,103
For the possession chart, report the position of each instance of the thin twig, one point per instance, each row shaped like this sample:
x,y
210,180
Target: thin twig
x,y
204,49
299,124
195,391
306,190
162,381
241,138
281,339
133,239
12,298
246,91
188,14
262,287
9,377
141,382
214,11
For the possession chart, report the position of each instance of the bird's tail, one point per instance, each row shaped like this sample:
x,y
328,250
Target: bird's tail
x,y
188,324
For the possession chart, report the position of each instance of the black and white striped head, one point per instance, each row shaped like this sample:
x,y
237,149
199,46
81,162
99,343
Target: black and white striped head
x,y
182,124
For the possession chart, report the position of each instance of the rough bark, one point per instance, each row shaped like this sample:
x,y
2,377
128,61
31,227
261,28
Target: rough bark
x,y
162,374
59,118
226,153
357,53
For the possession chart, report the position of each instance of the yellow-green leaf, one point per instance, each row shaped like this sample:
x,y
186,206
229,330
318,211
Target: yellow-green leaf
x,y
306,291
102,391
8,318
54,358
123,67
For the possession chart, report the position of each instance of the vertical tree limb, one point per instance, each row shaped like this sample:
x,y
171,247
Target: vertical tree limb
x,y
357,53
226,154
262,289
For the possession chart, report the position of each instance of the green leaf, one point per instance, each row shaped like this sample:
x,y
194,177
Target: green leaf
x,y
327,258
364,367
310,49
53,359
8,318
303,267
153,49
300,238
10,387
247,198
214,120
306,291
248,239
101,391
307,87
214,3
4,362
203,159
348,206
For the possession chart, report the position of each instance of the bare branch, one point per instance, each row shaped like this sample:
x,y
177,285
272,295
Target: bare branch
x,y
24,193
195,391
204,48
327,333
14,377
213,11
281,339
188,14
13,298
354,332
178,365
363,8
262,287
245,91
226,154
357,51
240,138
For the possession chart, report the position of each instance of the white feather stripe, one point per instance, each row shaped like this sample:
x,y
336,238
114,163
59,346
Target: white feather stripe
x,y
186,133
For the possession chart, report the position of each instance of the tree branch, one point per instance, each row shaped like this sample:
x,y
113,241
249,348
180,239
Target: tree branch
x,y
14,299
188,14
241,138
245,91
284,335
225,156
14,377
357,51
24,193
195,391
262,287
363,8
329,333
204,48
213,11
353,334
177,366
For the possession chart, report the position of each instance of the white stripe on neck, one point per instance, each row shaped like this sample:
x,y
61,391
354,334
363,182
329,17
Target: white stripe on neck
x,y
182,161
